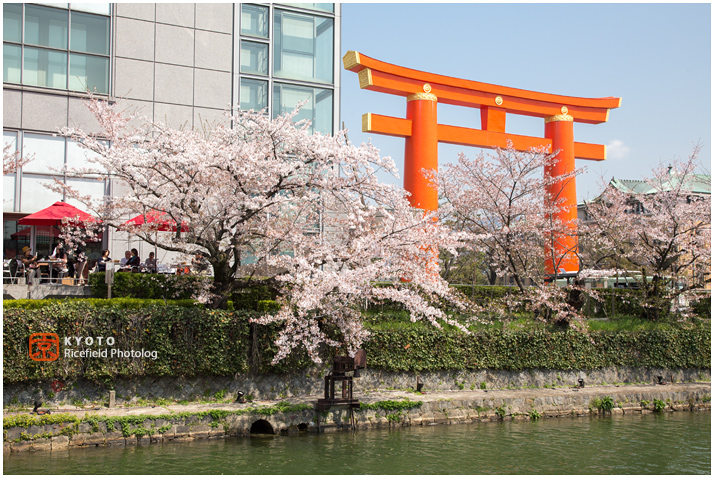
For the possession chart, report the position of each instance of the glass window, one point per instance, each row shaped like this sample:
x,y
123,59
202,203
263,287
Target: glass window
x,y
11,63
303,47
48,153
101,8
9,138
318,108
44,59
45,68
46,26
85,187
254,20
253,94
34,195
52,4
88,72
325,7
8,192
90,33
253,57
77,156
12,22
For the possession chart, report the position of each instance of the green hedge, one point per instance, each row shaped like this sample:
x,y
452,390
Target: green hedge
x,y
145,286
190,341
429,350
703,307
164,286
193,341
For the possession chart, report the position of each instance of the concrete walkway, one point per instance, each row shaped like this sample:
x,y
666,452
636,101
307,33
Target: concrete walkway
x,y
631,393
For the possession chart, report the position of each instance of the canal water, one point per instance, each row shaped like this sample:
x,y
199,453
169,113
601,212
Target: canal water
x,y
664,443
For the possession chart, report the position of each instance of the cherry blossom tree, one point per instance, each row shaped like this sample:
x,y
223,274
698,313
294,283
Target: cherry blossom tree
x,y
500,200
306,210
659,236
11,159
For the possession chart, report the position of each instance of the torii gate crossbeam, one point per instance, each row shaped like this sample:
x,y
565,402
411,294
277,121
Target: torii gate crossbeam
x,y
422,132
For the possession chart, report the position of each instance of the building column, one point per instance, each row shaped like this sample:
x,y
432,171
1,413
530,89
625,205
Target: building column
x,y
563,255
421,150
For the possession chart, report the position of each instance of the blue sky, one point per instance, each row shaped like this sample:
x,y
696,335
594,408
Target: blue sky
x,y
657,57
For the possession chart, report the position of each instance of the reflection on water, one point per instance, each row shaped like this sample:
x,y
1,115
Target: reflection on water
x,y
669,443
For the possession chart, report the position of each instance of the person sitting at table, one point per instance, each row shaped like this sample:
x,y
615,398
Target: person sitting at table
x,y
124,260
80,263
199,264
151,262
29,262
102,262
59,255
133,264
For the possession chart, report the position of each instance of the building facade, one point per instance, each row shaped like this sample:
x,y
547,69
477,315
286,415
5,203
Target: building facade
x,y
182,64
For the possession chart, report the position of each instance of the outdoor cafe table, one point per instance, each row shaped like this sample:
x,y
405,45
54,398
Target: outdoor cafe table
x,y
49,263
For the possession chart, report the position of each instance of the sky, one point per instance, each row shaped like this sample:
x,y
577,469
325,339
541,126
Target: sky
x,y
656,57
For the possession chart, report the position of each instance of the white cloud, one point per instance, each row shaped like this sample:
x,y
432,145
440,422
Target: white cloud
x,y
617,149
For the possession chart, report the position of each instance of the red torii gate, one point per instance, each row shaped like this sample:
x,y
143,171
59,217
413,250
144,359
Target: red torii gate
x,y
422,132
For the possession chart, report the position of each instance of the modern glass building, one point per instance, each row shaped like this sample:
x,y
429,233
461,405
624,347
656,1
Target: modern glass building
x,y
182,64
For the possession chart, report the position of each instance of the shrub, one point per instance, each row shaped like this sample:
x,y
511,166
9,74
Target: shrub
x,y
659,405
145,286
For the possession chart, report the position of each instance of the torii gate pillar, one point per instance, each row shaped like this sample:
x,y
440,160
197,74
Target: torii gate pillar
x,y
559,129
421,151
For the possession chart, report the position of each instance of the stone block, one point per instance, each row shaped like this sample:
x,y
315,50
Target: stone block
x,y
140,11
201,429
95,439
216,433
174,45
182,439
60,442
159,423
119,442
85,427
35,430
175,116
134,79
130,441
20,446
81,117
12,108
6,448
134,39
182,430
212,89
440,418
213,51
143,441
173,84
14,433
78,439
41,444
114,435
217,17
156,438
176,13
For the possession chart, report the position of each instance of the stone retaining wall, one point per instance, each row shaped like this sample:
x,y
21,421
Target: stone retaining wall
x,y
445,408
311,382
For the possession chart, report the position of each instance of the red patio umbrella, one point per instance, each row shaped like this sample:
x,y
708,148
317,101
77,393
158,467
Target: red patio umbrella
x,y
156,218
53,215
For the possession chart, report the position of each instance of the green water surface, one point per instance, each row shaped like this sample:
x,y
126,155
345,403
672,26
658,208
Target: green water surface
x,y
663,443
